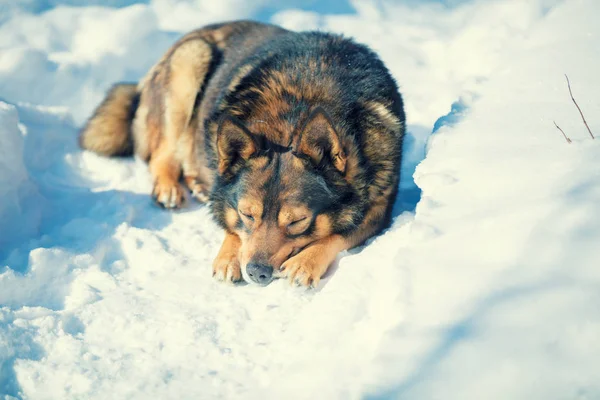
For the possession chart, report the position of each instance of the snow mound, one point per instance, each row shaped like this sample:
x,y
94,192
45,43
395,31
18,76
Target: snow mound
x,y
70,56
19,207
503,252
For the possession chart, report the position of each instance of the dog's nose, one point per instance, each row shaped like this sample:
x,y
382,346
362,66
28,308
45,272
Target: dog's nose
x,y
260,273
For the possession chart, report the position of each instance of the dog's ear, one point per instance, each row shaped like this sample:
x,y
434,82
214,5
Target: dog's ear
x,y
235,144
320,142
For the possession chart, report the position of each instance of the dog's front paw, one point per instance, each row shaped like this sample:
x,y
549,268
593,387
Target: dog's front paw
x,y
198,189
227,269
168,194
302,271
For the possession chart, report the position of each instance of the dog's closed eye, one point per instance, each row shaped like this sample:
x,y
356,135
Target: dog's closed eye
x,y
298,226
246,215
296,222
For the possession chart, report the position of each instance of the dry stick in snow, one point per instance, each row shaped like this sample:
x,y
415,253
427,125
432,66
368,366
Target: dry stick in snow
x,y
563,132
576,105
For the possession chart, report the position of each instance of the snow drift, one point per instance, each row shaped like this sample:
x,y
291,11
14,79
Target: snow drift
x,y
19,207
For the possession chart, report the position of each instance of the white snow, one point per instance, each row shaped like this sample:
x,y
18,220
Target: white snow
x,y
19,212
489,289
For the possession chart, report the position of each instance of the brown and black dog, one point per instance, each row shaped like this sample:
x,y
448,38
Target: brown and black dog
x,y
295,138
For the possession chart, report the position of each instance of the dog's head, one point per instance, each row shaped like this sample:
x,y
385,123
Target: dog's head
x,y
279,199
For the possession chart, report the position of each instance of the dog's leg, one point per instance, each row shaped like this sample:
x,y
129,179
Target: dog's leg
x,y
182,78
226,266
196,174
165,170
307,267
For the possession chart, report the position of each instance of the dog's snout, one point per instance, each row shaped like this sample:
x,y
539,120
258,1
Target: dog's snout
x,y
260,273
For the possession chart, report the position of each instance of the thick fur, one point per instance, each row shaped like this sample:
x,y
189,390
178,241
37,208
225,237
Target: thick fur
x,y
108,132
296,139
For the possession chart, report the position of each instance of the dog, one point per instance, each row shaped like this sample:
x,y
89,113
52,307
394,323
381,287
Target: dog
x,y
294,139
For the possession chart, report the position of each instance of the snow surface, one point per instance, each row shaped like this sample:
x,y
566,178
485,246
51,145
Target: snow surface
x,y
18,194
488,289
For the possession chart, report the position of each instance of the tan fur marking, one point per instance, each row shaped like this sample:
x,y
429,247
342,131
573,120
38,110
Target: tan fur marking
x,y
219,36
389,120
307,267
323,226
188,67
260,162
239,76
226,266
297,163
231,218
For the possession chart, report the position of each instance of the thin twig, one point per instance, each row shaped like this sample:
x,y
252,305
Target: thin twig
x,y
576,105
563,132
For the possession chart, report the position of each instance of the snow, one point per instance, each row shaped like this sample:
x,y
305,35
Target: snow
x,y
18,210
489,288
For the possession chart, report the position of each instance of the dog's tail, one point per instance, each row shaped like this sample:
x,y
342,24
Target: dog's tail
x,y
108,131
